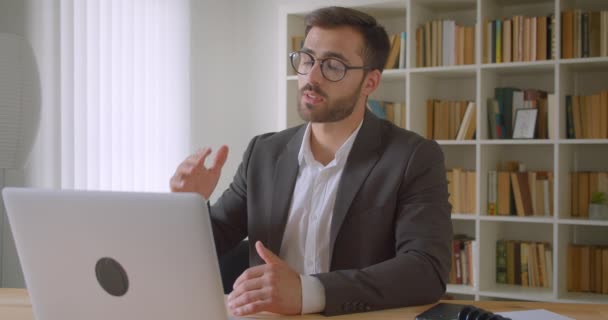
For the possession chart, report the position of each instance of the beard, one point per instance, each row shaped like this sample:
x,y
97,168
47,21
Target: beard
x,y
332,111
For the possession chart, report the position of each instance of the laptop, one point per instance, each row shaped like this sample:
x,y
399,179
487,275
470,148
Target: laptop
x,y
116,255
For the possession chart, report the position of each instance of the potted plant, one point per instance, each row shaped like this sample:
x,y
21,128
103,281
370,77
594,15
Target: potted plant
x,y
598,207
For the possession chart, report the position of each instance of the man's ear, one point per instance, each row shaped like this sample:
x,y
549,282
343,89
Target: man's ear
x,y
372,81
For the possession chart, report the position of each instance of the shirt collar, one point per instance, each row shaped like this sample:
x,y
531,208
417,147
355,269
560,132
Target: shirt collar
x,y
305,155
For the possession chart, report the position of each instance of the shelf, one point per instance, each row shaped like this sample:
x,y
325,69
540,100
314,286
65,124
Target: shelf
x,y
520,2
461,289
394,74
516,141
456,142
584,64
581,297
582,141
451,5
463,216
518,293
520,67
530,219
583,222
446,71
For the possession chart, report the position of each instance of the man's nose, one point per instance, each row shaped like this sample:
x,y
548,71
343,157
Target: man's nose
x,y
315,75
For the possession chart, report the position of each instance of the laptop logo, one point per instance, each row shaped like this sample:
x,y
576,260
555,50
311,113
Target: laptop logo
x,y
112,277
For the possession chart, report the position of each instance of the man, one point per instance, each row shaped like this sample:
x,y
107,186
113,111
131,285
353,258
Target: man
x,y
347,213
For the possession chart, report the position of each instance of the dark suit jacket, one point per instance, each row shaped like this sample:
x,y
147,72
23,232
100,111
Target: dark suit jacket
x,y
391,233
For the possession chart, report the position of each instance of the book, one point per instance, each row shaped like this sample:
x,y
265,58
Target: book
x,y
393,57
402,50
524,253
510,246
492,192
501,262
467,122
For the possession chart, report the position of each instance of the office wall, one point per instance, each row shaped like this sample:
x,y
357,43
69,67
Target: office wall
x,y
234,83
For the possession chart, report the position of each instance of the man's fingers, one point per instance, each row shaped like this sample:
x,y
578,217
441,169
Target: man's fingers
x,y
220,158
251,273
176,184
203,154
245,286
192,161
254,307
184,169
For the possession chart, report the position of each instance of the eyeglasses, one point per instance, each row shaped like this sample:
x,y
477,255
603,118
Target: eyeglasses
x,y
332,69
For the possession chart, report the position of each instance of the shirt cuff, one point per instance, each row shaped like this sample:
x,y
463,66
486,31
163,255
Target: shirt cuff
x,y
313,294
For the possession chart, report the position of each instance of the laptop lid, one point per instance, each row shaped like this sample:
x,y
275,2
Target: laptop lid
x,y
116,255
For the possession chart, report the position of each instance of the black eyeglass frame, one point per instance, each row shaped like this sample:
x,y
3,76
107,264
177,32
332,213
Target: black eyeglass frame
x,y
321,61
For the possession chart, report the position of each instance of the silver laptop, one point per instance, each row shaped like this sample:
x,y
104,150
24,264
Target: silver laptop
x,y
116,255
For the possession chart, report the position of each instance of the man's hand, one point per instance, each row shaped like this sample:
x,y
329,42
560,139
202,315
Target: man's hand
x,y
192,175
272,287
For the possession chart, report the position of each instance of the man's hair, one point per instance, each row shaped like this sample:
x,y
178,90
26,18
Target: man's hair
x,y
376,44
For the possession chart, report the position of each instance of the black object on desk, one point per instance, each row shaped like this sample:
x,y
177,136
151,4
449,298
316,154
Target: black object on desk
x,y
450,311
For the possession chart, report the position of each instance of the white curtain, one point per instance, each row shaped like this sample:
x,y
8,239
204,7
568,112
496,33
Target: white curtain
x,y
125,92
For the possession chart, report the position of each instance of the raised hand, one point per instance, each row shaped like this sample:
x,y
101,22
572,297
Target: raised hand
x,y
272,287
193,176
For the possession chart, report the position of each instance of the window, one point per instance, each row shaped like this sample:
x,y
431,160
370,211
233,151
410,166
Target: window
x,y
125,92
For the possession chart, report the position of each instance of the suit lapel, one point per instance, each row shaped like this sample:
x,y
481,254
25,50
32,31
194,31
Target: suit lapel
x,y
361,159
284,180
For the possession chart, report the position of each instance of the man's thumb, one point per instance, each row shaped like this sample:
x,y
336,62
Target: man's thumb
x,y
266,254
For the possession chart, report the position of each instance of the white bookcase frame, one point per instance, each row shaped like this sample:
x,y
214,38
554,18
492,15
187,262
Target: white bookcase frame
x,y
476,82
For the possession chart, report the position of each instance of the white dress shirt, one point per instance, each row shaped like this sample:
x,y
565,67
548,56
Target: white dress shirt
x,y
305,245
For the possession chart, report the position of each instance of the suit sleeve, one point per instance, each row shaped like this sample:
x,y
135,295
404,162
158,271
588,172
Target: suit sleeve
x,y
229,213
423,233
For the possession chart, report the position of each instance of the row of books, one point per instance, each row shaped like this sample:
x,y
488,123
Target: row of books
x,y
587,116
450,120
519,38
502,111
516,192
461,189
397,54
528,264
587,269
444,43
464,257
582,187
391,111
584,34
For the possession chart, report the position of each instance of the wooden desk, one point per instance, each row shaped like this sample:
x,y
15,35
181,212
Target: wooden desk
x,y
15,305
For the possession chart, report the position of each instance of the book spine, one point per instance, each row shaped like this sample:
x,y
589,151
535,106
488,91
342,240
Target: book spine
x,y
492,193
501,262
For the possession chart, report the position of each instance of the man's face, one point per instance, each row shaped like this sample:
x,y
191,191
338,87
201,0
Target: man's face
x,y
321,100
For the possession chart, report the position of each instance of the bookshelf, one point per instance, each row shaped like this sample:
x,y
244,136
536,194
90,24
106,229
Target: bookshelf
x,y
476,82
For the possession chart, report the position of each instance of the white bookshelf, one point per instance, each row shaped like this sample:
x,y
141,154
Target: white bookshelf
x,y
476,82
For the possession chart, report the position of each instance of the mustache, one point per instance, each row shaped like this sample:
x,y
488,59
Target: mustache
x,y
314,88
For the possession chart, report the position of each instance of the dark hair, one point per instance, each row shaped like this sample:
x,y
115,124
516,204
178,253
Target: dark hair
x,y
376,44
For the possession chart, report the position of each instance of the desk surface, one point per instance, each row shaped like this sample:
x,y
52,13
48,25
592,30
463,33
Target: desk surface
x,y
15,305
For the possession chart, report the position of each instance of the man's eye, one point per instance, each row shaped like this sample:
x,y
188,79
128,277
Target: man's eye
x,y
334,65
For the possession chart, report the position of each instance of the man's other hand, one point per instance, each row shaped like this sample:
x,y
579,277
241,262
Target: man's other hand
x,y
193,176
272,287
